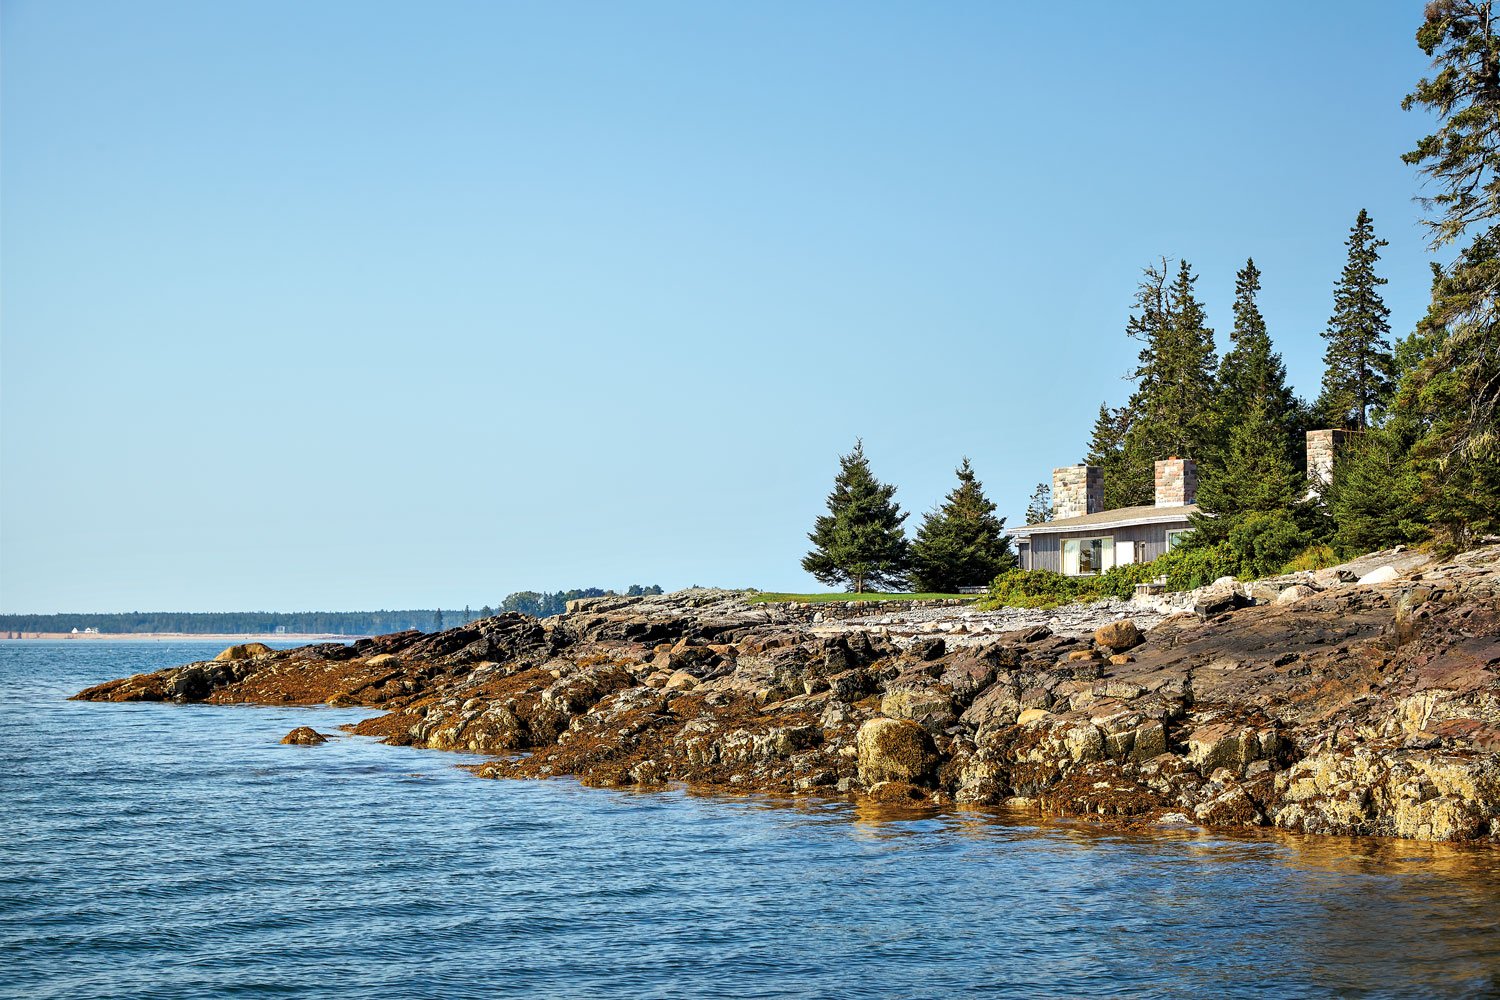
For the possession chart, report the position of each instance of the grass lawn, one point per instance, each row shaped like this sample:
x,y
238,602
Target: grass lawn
x,y
834,598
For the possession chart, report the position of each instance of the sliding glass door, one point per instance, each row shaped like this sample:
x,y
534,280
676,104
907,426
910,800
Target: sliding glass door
x,y
1087,556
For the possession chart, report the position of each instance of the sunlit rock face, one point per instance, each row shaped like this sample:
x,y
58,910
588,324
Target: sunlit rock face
x,y
1366,704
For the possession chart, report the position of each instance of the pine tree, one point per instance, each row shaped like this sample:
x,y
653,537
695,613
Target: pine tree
x,y
860,541
437,620
1448,403
1172,408
1254,478
1039,510
1251,374
1107,451
1462,159
962,543
1358,372
1374,496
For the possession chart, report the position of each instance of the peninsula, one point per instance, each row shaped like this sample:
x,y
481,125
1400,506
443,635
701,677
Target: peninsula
x,y
1358,700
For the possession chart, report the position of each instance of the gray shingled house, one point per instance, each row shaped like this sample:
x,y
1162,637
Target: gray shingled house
x,y
1084,539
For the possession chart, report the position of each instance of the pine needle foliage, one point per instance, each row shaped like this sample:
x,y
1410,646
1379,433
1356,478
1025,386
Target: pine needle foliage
x,y
1171,411
1039,508
860,543
1358,369
961,543
1252,375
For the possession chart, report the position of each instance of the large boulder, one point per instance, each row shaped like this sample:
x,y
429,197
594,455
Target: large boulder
x,y
894,750
244,652
1119,636
1382,574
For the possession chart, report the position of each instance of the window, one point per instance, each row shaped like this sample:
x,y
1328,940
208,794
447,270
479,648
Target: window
x,y
1176,538
1087,556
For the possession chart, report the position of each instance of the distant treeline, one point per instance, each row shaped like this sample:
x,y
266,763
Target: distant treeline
x,y
302,622
529,602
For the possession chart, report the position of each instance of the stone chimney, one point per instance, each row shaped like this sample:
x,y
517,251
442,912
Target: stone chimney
x,y
1176,482
1077,490
1322,447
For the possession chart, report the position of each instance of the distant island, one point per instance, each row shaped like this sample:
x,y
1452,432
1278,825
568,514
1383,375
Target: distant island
x,y
298,623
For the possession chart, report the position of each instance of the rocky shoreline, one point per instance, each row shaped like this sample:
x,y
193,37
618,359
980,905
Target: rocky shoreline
x,y
1316,703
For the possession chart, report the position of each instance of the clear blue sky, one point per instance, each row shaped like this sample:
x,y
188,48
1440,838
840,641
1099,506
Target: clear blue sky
x,y
360,305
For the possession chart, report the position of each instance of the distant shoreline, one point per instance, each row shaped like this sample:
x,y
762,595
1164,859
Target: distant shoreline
x,y
232,638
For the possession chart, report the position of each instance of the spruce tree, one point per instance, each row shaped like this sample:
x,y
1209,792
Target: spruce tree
x,y
1358,370
859,543
1107,451
1255,477
1461,160
962,543
1251,374
1172,408
1039,509
1374,498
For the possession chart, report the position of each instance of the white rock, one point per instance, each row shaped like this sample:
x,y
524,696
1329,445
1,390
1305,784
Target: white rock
x,y
1384,574
1293,593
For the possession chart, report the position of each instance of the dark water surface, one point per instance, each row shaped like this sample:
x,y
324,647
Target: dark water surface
x,y
180,851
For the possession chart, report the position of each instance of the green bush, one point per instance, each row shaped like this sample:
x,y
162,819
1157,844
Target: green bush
x,y
1120,582
1314,557
1261,543
1042,588
1037,588
1192,566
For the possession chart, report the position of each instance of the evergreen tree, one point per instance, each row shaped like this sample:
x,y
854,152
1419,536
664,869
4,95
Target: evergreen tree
x,y
1374,496
1039,510
1358,368
1252,374
962,543
1256,477
1462,160
1172,409
437,620
1107,451
860,542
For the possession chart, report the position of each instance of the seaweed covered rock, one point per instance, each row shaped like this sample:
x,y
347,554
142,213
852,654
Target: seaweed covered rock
x,y
895,750
1350,710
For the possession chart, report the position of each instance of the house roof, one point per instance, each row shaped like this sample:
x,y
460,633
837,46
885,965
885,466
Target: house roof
x,y
1120,517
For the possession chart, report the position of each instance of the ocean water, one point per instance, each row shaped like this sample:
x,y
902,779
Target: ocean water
x,y
181,851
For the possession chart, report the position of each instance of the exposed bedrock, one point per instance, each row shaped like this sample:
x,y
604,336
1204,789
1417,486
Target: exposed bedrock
x,y
1350,707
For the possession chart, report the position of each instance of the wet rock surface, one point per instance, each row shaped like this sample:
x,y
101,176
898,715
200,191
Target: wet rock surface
x,y
1348,708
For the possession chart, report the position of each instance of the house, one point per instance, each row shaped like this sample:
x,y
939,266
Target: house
x,y
1084,539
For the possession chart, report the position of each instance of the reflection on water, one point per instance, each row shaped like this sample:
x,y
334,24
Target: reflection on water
x,y
183,851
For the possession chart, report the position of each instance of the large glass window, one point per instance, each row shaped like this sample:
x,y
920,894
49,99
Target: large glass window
x,y
1087,556
1176,538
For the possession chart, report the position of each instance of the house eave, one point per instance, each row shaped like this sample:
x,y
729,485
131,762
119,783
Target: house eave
x,y
1049,529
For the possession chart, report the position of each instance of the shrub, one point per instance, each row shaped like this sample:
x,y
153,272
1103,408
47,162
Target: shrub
x,y
1185,568
1261,543
1314,557
1042,588
1037,588
1194,566
1120,582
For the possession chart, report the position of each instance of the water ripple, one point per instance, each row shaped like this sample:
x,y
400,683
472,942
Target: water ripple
x,y
168,851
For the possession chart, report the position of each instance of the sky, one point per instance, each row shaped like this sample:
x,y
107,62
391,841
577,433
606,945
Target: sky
x,y
357,305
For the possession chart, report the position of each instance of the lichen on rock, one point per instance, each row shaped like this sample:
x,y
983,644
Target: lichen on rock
x,y
1350,708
